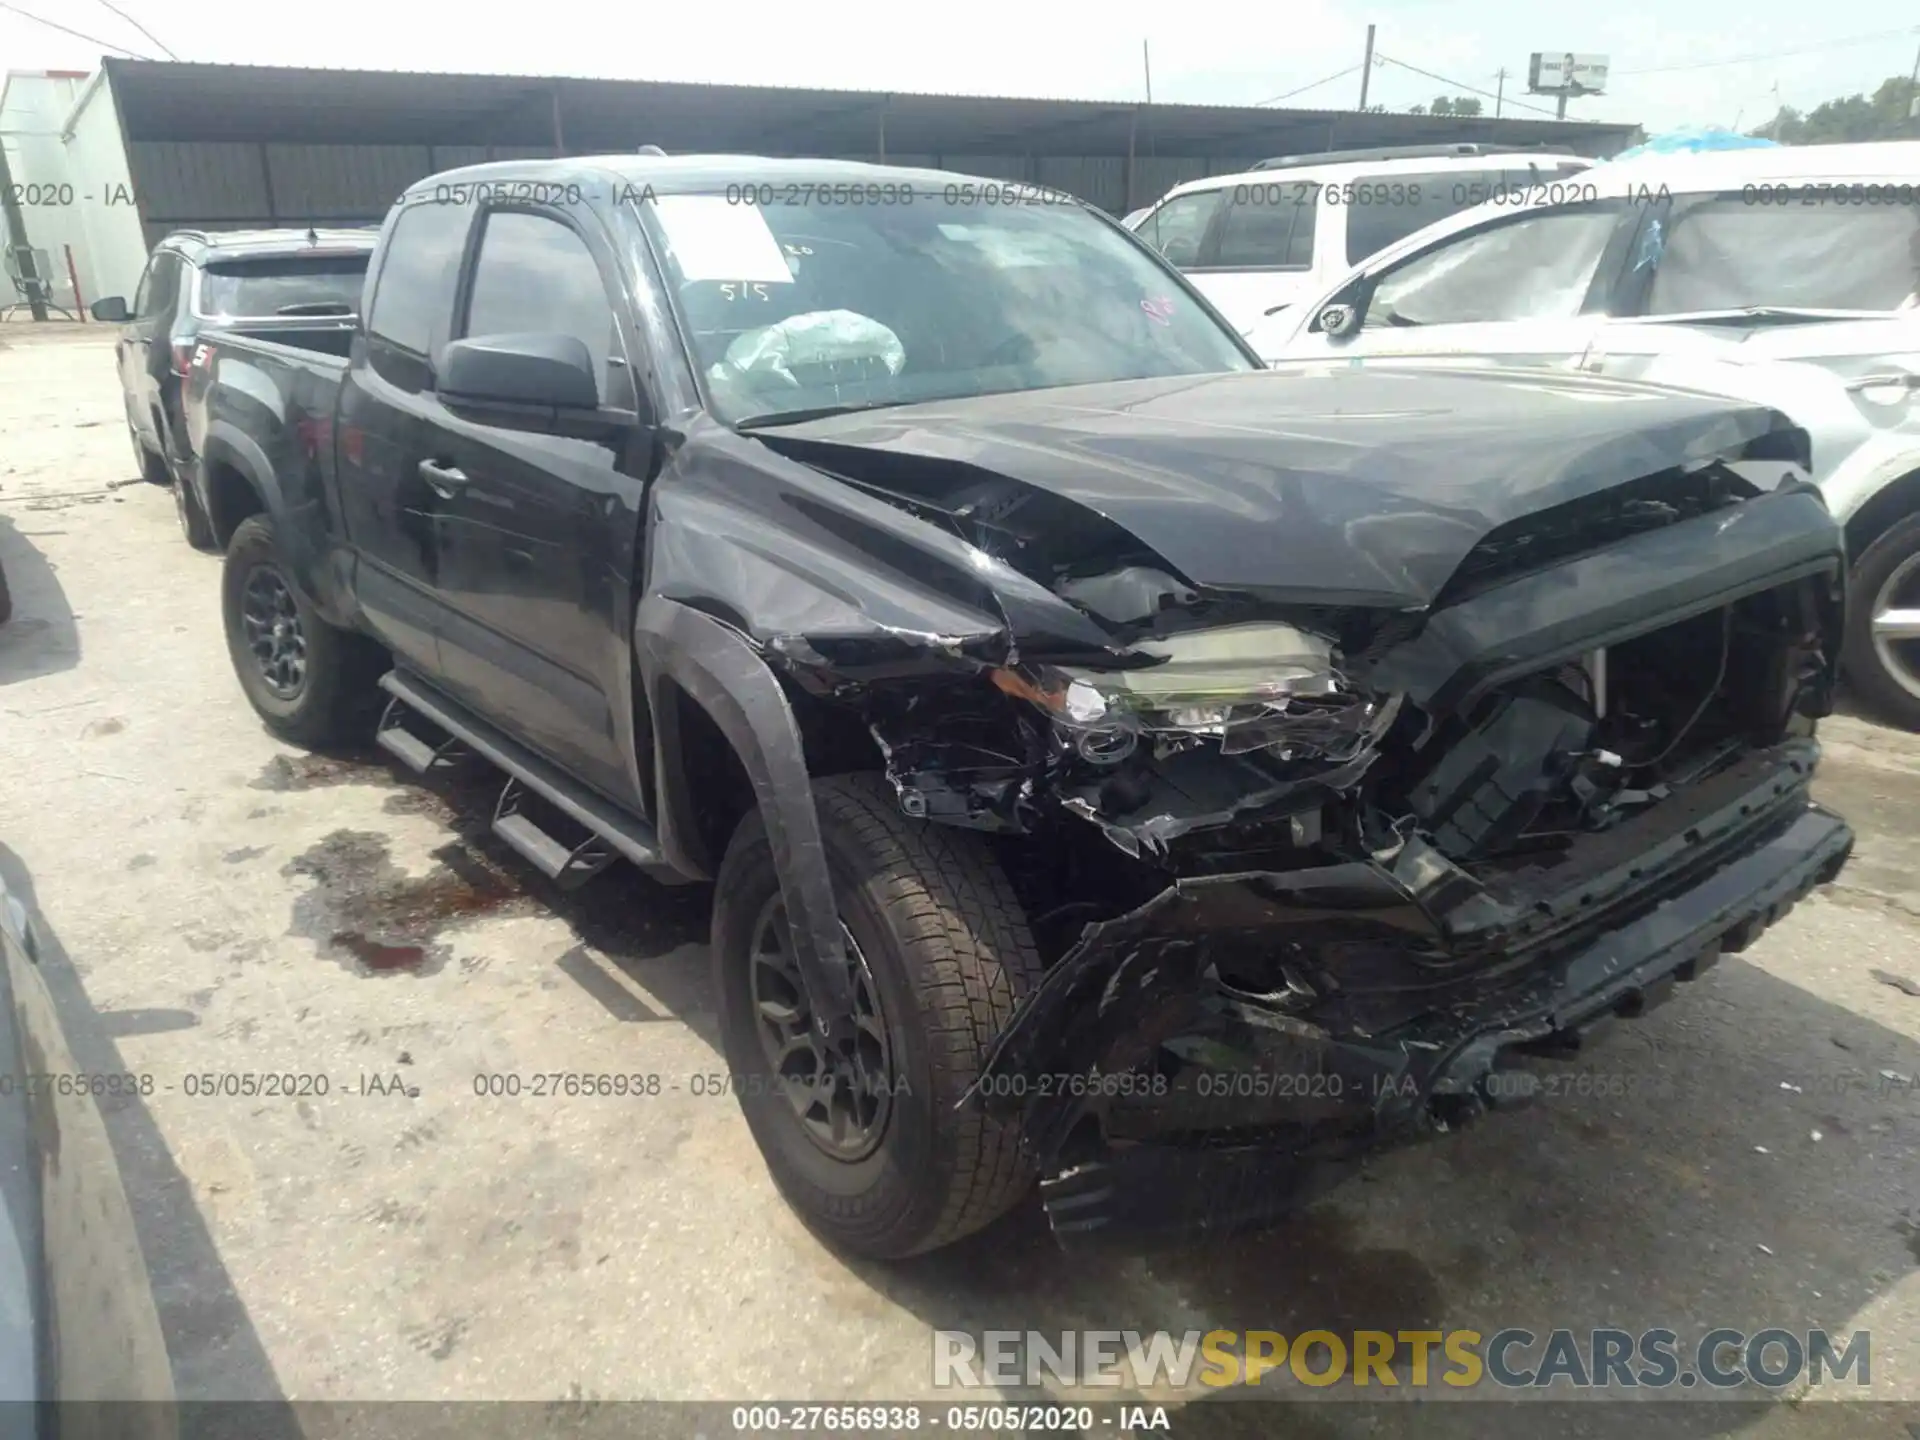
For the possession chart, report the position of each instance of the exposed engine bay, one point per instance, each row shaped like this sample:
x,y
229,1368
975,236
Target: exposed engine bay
x,y
1269,742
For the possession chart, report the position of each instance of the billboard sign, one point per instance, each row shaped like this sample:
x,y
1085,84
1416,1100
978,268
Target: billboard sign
x,y
1561,72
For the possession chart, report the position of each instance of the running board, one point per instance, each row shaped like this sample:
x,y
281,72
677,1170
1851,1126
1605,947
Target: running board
x,y
567,866
611,831
412,749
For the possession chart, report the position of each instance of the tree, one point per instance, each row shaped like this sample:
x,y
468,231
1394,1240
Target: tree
x,y
1847,118
1463,105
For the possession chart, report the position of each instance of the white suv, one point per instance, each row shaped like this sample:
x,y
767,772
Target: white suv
x,y
1785,276
1278,233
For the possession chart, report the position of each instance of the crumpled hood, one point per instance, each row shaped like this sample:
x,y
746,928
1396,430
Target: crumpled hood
x,y
1314,482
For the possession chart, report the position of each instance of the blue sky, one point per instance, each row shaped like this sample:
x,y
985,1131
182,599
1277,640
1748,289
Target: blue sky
x,y
1202,50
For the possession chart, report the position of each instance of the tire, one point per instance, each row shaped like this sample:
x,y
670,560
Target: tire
x,y
6,599
153,468
1893,558
951,958
337,698
194,523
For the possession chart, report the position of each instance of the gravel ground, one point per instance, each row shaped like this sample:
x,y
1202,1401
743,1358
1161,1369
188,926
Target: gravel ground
x,y
221,904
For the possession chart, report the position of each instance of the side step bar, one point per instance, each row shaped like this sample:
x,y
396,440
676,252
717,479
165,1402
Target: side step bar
x,y
409,747
610,832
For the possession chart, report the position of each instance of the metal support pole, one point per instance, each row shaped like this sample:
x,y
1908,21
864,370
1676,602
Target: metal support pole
x,y
17,241
1133,125
1366,69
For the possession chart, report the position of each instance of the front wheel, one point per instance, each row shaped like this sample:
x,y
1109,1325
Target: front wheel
x,y
312,683
1882,656
868,1144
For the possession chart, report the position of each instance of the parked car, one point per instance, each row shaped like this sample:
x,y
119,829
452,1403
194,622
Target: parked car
x,y
1114,762
81,1347
1256,242
301,284
1705,270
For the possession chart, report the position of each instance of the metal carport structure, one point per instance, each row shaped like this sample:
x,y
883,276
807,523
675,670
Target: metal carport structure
x,y
228,145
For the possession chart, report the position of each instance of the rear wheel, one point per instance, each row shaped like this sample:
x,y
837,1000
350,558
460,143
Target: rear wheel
x,y
311,682
194,523
867,1143
6,599
1882,658
153,468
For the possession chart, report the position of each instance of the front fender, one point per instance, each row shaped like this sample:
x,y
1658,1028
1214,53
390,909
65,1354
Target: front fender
x,y
722,673
1885,457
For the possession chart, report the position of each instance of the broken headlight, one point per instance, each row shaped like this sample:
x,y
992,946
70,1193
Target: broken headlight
x,y
1264,686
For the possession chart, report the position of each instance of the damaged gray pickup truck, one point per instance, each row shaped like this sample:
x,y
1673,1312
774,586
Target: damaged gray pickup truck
x,y
1117,764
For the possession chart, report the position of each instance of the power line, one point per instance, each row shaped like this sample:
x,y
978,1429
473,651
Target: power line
x,y
67,30
141,28
1460,84
1324,80
1774,55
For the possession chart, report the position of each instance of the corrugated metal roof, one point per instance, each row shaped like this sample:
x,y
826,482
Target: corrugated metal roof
x,y
162,101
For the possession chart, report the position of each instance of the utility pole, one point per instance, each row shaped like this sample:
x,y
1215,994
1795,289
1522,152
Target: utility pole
x,y
1146,60
1500,92
17,243
1366,69
1913,87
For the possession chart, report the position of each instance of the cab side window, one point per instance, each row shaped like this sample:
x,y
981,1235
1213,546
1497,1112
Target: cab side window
x,y
534,273
412,305
1177,228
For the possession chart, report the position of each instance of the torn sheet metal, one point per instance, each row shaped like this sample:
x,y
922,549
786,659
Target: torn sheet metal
x,y
1229,1097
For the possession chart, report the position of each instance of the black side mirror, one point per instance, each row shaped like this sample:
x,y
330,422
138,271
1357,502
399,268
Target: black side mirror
x,y
1339,320
112,310
550,371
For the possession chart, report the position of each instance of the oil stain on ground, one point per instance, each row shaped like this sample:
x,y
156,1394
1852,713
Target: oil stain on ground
x,y
312,771
622,913
363,909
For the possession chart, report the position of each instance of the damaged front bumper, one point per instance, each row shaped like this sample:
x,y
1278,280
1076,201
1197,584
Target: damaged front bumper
x,y
1159,1095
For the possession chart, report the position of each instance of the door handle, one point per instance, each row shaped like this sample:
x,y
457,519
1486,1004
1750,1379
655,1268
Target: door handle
x,y
444,480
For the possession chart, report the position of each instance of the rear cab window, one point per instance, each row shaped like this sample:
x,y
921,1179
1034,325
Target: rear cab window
x,y
266,287
410,310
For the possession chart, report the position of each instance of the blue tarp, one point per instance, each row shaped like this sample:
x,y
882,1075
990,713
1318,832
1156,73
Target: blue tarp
x,y
1682,142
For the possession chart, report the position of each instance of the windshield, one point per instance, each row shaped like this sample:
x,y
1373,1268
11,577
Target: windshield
x,y
798,307
1731,253
283,285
